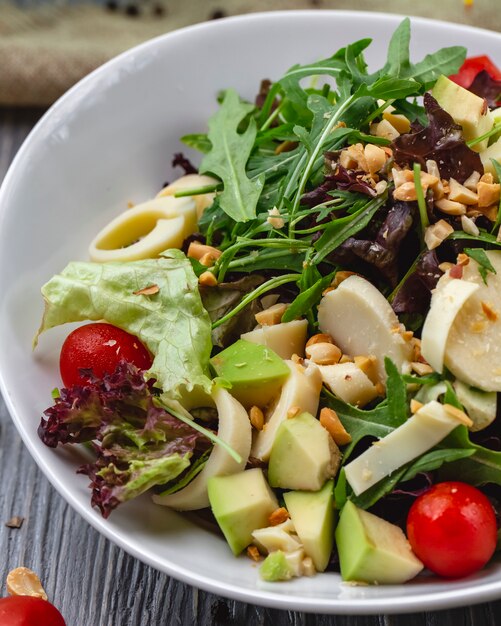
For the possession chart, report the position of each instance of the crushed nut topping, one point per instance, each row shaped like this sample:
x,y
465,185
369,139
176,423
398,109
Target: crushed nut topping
x,y
151,290
24,582
256,417
489,312
253,553
279,516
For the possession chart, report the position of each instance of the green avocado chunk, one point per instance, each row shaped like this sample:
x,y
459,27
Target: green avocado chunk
x,y
255,372
312,514
303,455
275,567
372,550
241,503
466,108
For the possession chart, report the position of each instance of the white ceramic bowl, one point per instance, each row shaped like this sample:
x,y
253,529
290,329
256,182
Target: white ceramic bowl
x,y
110,140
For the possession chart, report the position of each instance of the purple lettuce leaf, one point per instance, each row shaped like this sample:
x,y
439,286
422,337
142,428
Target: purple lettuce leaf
x,y
382,250
180,160
137,443
415,294
442,141
342,179
485,86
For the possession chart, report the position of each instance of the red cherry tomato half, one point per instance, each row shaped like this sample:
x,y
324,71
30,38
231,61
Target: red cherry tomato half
x,y
452,529
473,66
29,611
99,347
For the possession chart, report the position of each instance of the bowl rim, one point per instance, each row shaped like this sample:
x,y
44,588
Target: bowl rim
x,y
436,600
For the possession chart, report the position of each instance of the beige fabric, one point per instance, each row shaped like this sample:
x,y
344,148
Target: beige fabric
x,y
45,50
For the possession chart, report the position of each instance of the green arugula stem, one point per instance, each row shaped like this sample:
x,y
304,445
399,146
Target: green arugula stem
x,y
423,212
198,190
204,431
402,281
273,283
473,142
378,111
316,152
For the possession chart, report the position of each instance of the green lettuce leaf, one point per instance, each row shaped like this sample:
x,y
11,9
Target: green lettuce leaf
x,y
172,323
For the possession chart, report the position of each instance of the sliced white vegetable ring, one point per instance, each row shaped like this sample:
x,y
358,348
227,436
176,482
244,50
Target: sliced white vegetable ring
x,y
447,301
235,430
145,230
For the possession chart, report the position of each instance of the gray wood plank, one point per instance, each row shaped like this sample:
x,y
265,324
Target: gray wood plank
x,y
95,583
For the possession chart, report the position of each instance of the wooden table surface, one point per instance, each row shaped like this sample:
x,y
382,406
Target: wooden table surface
x,y
95,583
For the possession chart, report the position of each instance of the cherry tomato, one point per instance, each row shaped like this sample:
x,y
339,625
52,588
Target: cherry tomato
x,y
29,611
99,346
473,66
452,529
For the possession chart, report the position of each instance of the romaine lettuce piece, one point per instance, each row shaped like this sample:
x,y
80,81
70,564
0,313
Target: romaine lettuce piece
x,y
172,323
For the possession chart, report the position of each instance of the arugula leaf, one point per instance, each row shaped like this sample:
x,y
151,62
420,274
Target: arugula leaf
x,y
306,300
198,141
396,392
172,324
398,63
479,255
445,61
229,155
339,230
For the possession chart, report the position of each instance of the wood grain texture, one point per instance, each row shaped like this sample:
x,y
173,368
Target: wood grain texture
x,y
95,583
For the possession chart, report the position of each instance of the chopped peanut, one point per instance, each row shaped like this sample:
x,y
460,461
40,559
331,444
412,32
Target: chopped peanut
x,y
460,193
331,422
421,369
488,194
445,266
458,414
274,218
490,212
323,353
340,276
368,365
401,176
207,279
208,259
256,417
405,192
279,516
319,338
415,406
487,178
24,582
469,226
450,207
347,160
462,259
375,158
271,316
294,411
437,233
472,181
253,553
197,250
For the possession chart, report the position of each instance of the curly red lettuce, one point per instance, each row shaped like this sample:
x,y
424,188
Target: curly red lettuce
x,y
442,141
137,443
485,86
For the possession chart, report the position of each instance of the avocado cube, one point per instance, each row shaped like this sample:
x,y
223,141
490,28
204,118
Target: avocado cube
x,y
466,108
275,567
255,372
241,503
303,455
372,550
312,513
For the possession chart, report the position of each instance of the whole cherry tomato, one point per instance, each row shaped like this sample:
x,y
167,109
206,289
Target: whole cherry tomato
x,y
452,529
29,611
473,66
99,347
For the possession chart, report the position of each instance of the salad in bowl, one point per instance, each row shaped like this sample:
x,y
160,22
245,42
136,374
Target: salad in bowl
x,y
303,330
294,340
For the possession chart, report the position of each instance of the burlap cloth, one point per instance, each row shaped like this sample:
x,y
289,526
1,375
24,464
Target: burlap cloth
x,y
47,47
